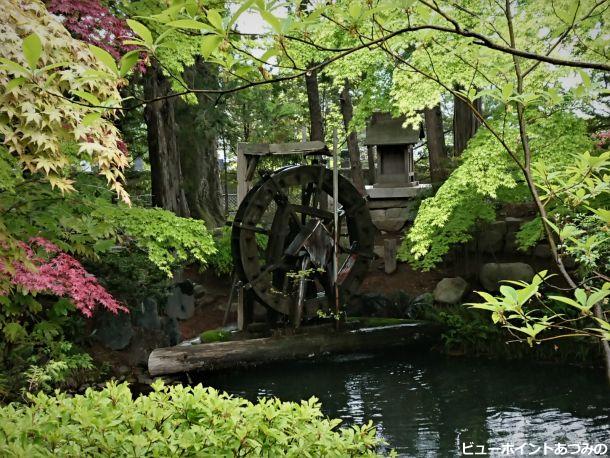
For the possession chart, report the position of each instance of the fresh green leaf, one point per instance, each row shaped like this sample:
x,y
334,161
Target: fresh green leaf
x,y
32,50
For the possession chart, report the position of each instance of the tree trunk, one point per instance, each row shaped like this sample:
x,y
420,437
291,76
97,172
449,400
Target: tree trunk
x,y
347,111
196,136
166,175
316,126
465,124
435,139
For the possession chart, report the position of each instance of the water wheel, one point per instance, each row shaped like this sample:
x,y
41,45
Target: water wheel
x,y
283,241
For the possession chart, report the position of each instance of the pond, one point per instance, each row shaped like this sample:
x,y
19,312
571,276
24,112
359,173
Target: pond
x,y
428,405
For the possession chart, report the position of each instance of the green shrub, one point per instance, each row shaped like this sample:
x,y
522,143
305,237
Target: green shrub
x,y
175,421
222,260
38,346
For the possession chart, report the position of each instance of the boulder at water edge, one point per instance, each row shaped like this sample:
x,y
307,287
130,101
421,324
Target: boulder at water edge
x,y
493,273
450,290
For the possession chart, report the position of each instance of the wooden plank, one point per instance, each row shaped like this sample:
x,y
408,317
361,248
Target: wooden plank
x,y
211,357
389,255
264,149
316,147
260,149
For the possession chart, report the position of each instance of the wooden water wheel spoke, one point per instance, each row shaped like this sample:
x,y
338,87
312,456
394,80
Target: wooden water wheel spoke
x,y
312,211
257,229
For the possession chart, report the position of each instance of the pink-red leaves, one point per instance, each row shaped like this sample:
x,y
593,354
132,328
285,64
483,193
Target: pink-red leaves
x,y
61,275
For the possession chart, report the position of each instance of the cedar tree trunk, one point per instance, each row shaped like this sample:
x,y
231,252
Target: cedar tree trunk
x,y
196,136
166,175
465,124
347,111
435,139
316,124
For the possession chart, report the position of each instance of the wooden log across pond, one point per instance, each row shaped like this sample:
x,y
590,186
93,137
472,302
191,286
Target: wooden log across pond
x,y
209,357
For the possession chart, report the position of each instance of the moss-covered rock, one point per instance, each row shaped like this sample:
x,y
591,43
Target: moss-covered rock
x,y
215,335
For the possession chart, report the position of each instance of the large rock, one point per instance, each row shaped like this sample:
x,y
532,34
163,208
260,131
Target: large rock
x,y
493,273
199,291
389,224
377,214
514,224
114,331
180,305
398,212
148,316
371,304
450,290
543,250
172,331
510,243
491,239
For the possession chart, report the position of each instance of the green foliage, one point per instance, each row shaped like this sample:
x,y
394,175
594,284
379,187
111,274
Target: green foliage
x,y
172,421
447,218
89,224
578,198
468,332
42,68
132,249
576,195
485,175
130,276
222,260
167,239
36,350
529,234
528,314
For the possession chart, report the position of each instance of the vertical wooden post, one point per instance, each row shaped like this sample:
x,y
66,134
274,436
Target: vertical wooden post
x,y
389,255
336,218
244,315
242,167
226,179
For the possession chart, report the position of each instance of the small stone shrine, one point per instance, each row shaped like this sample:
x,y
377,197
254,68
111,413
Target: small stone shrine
x,y
391,195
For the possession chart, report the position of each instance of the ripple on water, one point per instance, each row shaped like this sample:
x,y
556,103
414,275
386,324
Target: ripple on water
x,y
428,406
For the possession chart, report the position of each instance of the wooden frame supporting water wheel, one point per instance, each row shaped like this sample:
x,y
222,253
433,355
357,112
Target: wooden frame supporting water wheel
x,y
283,241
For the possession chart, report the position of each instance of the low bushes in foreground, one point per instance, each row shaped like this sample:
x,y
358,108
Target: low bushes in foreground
x,y
175,421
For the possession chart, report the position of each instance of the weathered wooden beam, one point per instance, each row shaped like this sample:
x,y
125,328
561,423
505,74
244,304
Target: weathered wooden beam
x,y
264,149
211,357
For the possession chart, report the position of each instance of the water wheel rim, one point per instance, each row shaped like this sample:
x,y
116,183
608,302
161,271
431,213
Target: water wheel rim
x,y
244,244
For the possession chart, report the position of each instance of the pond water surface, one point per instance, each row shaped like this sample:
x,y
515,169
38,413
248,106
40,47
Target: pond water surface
x,y
427,405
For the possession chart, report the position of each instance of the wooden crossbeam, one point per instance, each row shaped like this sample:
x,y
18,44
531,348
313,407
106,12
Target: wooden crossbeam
x,y
265,149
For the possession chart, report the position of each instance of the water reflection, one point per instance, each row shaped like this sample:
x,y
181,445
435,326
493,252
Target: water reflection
x,y
428,406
